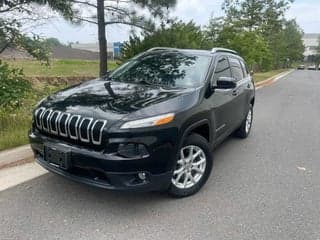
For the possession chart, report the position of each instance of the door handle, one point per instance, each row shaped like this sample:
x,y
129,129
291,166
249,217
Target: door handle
x,y
235,92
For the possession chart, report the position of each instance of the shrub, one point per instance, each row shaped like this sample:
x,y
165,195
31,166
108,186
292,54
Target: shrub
x,y
13,86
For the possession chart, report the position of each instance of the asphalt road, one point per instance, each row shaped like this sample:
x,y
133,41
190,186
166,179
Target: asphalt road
x,y
264,187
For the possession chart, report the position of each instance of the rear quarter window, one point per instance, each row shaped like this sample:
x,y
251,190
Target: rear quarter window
x,y
244,69
236,69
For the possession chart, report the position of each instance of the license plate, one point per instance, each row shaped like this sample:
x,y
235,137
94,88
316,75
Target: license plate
x,y
57,156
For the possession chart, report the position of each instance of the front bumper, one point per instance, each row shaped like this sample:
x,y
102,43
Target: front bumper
x,y
107,171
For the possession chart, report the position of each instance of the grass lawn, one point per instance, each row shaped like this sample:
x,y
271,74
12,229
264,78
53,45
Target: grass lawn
x,y
14,129
15,122
258,77
60,67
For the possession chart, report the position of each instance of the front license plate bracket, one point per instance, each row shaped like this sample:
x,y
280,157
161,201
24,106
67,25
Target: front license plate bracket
x,y
58,156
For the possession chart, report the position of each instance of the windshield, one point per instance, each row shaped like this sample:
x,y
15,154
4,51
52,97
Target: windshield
x,y
172,69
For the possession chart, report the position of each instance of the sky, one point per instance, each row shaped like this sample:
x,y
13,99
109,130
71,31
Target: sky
x,y
306,12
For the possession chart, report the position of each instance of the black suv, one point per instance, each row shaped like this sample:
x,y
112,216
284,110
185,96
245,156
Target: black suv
x,y
151,124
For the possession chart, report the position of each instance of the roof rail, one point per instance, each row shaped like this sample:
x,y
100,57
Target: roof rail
x,y
215,50
160,48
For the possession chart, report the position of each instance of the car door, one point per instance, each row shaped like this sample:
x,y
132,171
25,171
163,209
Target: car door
x,y
221,100
239,93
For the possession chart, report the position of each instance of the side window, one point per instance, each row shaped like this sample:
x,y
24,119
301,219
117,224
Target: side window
x,y
244,69
236,69
222,69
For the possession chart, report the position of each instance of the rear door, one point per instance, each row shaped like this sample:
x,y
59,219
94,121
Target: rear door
x,y
240,101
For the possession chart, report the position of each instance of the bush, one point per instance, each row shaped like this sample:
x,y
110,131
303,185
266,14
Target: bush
x,y
13,86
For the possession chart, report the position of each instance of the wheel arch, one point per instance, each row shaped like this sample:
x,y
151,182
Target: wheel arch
x,y
201,127
252,101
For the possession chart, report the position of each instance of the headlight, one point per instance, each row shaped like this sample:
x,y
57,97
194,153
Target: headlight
x,y
149,122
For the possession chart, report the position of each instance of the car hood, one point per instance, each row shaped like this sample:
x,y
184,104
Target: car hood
x,y
115,100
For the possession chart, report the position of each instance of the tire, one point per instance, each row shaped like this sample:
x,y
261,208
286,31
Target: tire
x,y
243,131
201,163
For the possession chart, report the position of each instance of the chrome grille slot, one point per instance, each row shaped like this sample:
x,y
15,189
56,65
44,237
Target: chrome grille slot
x,y
97,130
37,117
45,120
63,120
84,129
73,126
53,122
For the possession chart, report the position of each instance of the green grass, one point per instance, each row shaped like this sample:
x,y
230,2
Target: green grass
x,y
15,122
14,129
60,67
258,77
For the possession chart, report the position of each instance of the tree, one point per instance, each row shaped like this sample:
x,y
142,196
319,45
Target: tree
x,y
250,44
293,44
266,18
53,42
176,35
262,15
10,27
130,12
254,49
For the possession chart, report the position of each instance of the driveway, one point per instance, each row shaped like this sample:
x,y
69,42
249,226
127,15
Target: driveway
x,y
264,187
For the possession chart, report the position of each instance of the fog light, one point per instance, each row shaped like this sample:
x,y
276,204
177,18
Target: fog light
x,y
142,175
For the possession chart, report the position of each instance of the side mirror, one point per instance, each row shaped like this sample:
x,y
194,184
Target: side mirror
x,y
226,83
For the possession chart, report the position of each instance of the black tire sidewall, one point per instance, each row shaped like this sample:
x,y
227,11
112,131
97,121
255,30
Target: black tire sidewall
x,y
241,132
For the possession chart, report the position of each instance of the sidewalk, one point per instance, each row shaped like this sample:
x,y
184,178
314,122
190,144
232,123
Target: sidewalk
x,y
16,156
273,79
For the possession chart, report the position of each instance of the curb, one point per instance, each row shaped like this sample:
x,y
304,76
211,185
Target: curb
x,y
273,79
16,156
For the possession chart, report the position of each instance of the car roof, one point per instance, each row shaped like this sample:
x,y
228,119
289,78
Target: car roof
x,y
213,52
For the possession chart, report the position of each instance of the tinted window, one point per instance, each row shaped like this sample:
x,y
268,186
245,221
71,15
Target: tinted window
x,y
173,69
222,69
236,69
244,69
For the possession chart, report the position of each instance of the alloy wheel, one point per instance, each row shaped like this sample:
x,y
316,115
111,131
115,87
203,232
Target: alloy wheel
x,y
190,167
249,120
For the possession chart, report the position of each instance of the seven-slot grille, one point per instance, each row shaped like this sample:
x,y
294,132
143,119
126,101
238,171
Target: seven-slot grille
x,y
73,126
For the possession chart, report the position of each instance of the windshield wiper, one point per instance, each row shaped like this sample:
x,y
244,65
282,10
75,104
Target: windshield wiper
x,y
144,82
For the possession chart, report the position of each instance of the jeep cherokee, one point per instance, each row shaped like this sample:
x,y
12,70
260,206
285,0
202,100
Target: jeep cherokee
x,y
151,124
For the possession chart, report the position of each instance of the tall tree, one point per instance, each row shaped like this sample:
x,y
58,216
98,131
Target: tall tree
x,y
266,18
135,13
176,35
250,44
293,44
262,15
102,38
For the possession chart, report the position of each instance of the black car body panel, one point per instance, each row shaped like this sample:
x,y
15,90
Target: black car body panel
x,y
136,158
